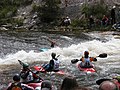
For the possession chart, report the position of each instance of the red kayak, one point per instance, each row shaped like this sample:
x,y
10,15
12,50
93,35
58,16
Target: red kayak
x,y
41,69
36,86
87,70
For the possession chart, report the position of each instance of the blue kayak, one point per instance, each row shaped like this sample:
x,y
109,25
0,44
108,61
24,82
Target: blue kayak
x,y
43,49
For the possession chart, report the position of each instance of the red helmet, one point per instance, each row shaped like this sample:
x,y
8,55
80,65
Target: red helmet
x,y
86,53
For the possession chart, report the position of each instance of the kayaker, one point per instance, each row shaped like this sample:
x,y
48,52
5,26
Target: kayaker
x,y
28,76
108,85
53,43
53,64
86,60
17,85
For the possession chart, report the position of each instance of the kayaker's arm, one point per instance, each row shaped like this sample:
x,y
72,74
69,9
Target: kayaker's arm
x,y
81,59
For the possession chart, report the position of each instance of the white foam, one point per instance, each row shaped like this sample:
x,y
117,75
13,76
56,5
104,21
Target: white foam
x,y
66,54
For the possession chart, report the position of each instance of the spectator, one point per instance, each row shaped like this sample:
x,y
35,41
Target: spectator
x,y
67,21
104,20
91,21
108,85
113,15
46,85
70,83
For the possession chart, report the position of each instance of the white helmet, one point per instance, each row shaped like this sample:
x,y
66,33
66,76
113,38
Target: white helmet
x,y
114,6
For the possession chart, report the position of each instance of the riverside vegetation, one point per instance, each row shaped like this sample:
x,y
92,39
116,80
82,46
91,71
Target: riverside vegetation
x,y
48,13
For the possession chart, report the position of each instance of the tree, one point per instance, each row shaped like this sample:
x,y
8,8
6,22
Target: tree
x,y
49,10
97,10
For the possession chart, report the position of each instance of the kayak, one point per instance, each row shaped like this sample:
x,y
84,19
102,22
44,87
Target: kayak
x,y
87,70
42,70
36,86
43,49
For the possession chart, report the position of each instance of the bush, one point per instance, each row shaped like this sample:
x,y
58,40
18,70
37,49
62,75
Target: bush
x,y
78,23
8,8
97,10
49,11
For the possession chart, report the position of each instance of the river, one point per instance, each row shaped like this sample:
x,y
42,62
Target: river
x,y
26,46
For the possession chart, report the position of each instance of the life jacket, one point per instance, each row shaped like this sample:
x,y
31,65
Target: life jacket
x,y
15,86
26,76
56,64
86,62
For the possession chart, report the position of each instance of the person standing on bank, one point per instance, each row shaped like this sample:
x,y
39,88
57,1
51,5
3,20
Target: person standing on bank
x,y
113,19
91,21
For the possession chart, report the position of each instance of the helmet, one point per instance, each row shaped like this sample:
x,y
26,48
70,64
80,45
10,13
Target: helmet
x,y
16,77
53,54
114,7
67,17
86,53
25,65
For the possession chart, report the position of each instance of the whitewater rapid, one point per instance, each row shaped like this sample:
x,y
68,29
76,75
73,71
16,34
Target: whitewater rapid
x,y
95,47
26,47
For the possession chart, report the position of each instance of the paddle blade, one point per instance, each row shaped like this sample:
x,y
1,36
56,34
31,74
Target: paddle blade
x,y
74,61
103,55
23,64
98,82
20,62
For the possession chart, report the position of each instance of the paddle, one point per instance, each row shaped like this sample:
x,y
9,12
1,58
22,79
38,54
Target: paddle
x,y
103,55
98,82
57,56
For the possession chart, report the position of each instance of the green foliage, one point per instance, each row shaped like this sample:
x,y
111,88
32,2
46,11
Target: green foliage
x,y
8,9
18,22
50,11
96,10
35,8
79,23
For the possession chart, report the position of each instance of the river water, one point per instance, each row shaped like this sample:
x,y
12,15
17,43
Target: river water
x,y
25,46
